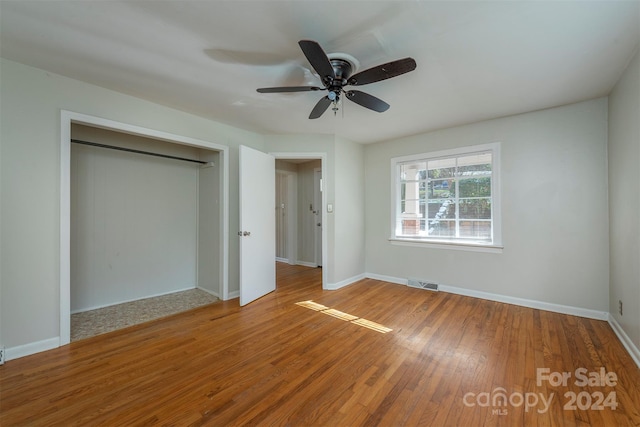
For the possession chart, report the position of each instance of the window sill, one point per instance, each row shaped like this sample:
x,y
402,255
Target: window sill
x,y
441,244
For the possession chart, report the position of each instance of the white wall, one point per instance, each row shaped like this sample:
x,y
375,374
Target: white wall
x,y
624,200
554,209
343,182
133,220
30,177
209,224
349,209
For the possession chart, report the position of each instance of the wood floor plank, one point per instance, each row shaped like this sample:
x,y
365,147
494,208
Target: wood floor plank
x,y
274,363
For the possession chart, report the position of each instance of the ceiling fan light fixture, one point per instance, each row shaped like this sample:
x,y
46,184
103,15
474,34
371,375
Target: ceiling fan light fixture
x,y
337,70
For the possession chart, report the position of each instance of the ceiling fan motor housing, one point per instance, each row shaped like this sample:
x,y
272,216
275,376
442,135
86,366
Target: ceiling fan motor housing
x,y
344,65
342,70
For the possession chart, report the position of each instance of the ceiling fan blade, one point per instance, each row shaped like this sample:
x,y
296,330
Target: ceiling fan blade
x,y
317,58
320,107
367,101
288,89
383,72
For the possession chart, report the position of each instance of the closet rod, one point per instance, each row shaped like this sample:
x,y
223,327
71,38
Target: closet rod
x,y
131,150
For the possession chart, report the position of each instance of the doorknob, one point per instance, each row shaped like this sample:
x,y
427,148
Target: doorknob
x,y
244,233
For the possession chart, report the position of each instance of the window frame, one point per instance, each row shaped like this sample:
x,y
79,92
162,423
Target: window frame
x,y
493,245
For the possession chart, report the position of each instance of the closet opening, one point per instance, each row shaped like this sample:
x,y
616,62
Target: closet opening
x,y
144,225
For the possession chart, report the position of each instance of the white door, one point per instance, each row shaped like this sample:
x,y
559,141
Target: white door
x,y
257,225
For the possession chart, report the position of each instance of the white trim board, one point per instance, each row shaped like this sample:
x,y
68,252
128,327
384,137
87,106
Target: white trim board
x,y
633,351
345,282
32,348
540,305
307,264
69,117
135,299
210,292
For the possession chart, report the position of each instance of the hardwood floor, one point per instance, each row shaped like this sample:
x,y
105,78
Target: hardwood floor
x,y
275,363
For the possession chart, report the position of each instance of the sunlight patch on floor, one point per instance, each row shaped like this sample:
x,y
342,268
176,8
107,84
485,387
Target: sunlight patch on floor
x,y
340,315
312,305
372,325
345,316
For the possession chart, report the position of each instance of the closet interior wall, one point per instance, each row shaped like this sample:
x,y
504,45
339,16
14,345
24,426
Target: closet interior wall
x,y
141,226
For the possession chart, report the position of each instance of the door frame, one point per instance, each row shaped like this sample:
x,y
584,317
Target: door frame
x,y
69,117
287,155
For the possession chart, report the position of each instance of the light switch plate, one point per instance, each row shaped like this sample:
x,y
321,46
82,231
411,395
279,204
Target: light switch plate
x,y
330,208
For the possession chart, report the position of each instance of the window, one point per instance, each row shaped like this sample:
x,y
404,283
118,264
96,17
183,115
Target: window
x,y
448,197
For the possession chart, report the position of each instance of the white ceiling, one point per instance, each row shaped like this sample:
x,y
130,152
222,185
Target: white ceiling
x,y
475,60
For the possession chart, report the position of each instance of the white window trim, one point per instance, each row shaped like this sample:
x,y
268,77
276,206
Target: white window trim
x,y
496,245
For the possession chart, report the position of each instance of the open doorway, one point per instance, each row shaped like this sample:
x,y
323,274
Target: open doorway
x,y
299,211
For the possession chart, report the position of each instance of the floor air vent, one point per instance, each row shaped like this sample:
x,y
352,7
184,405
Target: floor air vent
x,y
422,284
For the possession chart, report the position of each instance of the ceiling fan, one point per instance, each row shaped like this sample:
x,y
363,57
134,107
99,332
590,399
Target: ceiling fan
x,y
336,72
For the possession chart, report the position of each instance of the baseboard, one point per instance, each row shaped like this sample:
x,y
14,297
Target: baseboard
x,y
346,282
210,292
32,348
133,299
523,302
389,279
306,264
278,259
541,305
632,349
233,294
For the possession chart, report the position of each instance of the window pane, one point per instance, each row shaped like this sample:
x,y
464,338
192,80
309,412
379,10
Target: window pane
x,y
439,228
475,187
442,209
475,230
441,189
475,208
447,195
442,168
